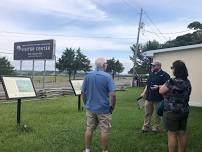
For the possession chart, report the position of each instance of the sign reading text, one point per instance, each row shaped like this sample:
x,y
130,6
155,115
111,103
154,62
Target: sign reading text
x,y
18,87
76,86
29,50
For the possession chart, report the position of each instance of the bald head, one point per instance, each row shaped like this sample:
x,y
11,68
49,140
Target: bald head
x,y
101,63
156,63
156,66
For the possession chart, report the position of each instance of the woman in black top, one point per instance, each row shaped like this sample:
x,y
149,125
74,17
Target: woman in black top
x,y
176,93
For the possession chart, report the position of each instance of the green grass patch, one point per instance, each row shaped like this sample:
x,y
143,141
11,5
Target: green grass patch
x,y
56,126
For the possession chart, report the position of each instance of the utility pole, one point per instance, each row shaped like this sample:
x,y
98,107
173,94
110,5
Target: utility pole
x,y
136,49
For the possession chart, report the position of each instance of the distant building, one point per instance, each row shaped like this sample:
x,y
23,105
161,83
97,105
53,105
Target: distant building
x,y
192,56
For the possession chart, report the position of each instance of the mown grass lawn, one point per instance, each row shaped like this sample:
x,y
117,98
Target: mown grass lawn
x,y
56,126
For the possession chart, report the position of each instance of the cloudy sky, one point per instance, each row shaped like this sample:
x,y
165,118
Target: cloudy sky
x,y
99,27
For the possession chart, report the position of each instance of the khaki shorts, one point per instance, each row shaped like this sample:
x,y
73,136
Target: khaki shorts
x,y
103,120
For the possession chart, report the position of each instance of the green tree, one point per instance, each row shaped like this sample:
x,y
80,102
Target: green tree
x,y
195,25
111,66
197,35
119,67
81,62
142,68
151,45
5,67
187,39
143,62
72,61
66,62
114,66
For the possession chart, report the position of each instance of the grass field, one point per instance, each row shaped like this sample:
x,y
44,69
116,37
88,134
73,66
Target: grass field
x,y
56,126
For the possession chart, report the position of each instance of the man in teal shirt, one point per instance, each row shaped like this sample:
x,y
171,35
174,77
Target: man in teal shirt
x,y
98,87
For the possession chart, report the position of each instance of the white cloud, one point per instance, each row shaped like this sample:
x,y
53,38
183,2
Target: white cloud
x,y
72,8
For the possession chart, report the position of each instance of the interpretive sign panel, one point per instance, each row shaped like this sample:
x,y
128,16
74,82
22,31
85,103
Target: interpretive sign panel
x,y
34,50
18,87
76,86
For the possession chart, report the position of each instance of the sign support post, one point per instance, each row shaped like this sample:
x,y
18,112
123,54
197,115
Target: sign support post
x,y
79,102
44,73
20,65
18,111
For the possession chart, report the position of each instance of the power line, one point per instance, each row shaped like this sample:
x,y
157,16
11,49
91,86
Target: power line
x,y
155,33
67,36
131,6
155,26
168,32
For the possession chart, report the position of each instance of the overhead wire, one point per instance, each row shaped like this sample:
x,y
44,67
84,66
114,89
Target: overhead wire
x,y
131,6
155,25
154,33
168,32
144,12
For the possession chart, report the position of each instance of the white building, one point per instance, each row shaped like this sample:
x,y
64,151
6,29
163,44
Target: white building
x,y
192,56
